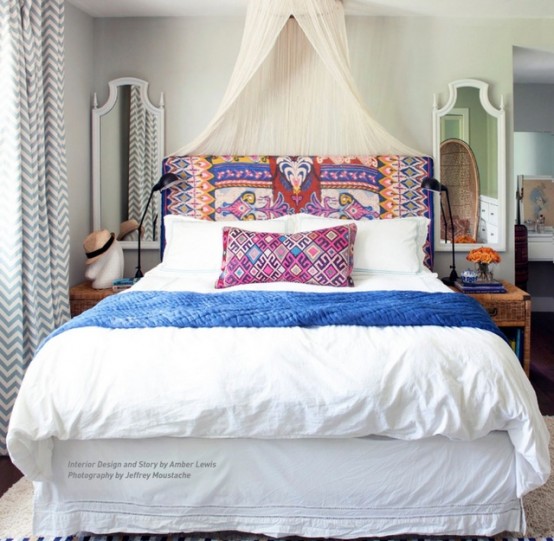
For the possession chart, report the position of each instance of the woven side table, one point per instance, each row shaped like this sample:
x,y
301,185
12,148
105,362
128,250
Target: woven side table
x,y
84,296
511,310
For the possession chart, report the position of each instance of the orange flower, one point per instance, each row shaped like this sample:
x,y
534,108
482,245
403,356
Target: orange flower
x,y
484,255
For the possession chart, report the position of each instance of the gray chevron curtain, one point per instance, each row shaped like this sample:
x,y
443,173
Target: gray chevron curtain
x,y
143,162
34,218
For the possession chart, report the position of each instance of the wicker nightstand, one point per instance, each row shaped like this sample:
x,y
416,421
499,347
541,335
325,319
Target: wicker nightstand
x,y
511,310
84,296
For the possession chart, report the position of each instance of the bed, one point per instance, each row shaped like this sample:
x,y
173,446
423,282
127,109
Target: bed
x,y
291,368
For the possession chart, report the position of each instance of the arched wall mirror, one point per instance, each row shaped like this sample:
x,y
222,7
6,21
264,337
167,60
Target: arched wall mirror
x,y
469,147
127,153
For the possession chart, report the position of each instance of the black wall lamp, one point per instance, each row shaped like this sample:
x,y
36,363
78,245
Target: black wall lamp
x,y
162,184
433,185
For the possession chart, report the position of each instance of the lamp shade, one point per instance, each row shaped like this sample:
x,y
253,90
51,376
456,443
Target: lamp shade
x,y
433,185
165,181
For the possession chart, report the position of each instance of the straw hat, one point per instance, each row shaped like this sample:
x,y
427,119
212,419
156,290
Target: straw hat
x,y
97,244
126,228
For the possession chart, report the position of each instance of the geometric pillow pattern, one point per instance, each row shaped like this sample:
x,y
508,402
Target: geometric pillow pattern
x,y
259,187
321,257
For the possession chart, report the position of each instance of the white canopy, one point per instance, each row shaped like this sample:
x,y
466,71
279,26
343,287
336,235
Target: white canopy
x,y
291,91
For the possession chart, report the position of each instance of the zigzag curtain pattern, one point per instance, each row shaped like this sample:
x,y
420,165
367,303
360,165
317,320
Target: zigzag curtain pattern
x,y
143,161
34,215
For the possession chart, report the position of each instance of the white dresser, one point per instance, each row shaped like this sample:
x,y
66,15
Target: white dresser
x,y
487,231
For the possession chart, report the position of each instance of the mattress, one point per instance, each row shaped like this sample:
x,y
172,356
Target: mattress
x,y
318,487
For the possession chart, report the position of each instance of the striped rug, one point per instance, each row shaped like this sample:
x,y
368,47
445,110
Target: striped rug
x,y
177,537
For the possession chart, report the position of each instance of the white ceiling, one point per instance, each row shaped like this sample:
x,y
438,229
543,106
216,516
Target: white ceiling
x,y
436,8
530,66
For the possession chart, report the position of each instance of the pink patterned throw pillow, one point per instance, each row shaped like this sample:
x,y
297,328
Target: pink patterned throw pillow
x,y
321,257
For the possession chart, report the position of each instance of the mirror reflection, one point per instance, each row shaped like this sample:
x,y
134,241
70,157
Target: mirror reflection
x,y
127,157
469,144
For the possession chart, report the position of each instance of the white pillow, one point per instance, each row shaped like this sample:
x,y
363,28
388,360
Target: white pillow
x,y
393,245
197,245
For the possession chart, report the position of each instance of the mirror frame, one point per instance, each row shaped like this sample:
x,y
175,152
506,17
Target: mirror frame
x,y
97,114
499,114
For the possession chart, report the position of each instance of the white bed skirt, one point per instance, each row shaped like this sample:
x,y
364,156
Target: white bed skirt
x,y
345,488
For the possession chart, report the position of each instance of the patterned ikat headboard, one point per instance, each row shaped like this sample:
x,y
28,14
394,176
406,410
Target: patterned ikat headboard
x,y
263,187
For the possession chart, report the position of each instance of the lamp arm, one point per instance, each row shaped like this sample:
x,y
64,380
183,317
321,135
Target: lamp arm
x,y
453,274
162,184
139,273
444,222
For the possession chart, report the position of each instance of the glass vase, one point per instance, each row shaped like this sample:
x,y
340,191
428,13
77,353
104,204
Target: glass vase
x,y
484,272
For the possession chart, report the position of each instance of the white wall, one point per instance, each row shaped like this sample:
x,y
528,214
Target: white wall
x,y
398,62
533,129
534,155
79,53
188,59
534,111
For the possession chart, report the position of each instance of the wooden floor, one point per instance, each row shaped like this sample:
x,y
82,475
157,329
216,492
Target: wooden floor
x,y
542,378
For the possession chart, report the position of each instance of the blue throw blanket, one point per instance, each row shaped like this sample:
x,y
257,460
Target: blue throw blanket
x,y
141,309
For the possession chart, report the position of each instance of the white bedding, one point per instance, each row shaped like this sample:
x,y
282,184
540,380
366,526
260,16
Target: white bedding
x,y
333,488
280,383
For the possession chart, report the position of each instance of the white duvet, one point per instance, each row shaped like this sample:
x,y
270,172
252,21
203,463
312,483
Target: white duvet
x,y
277,383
